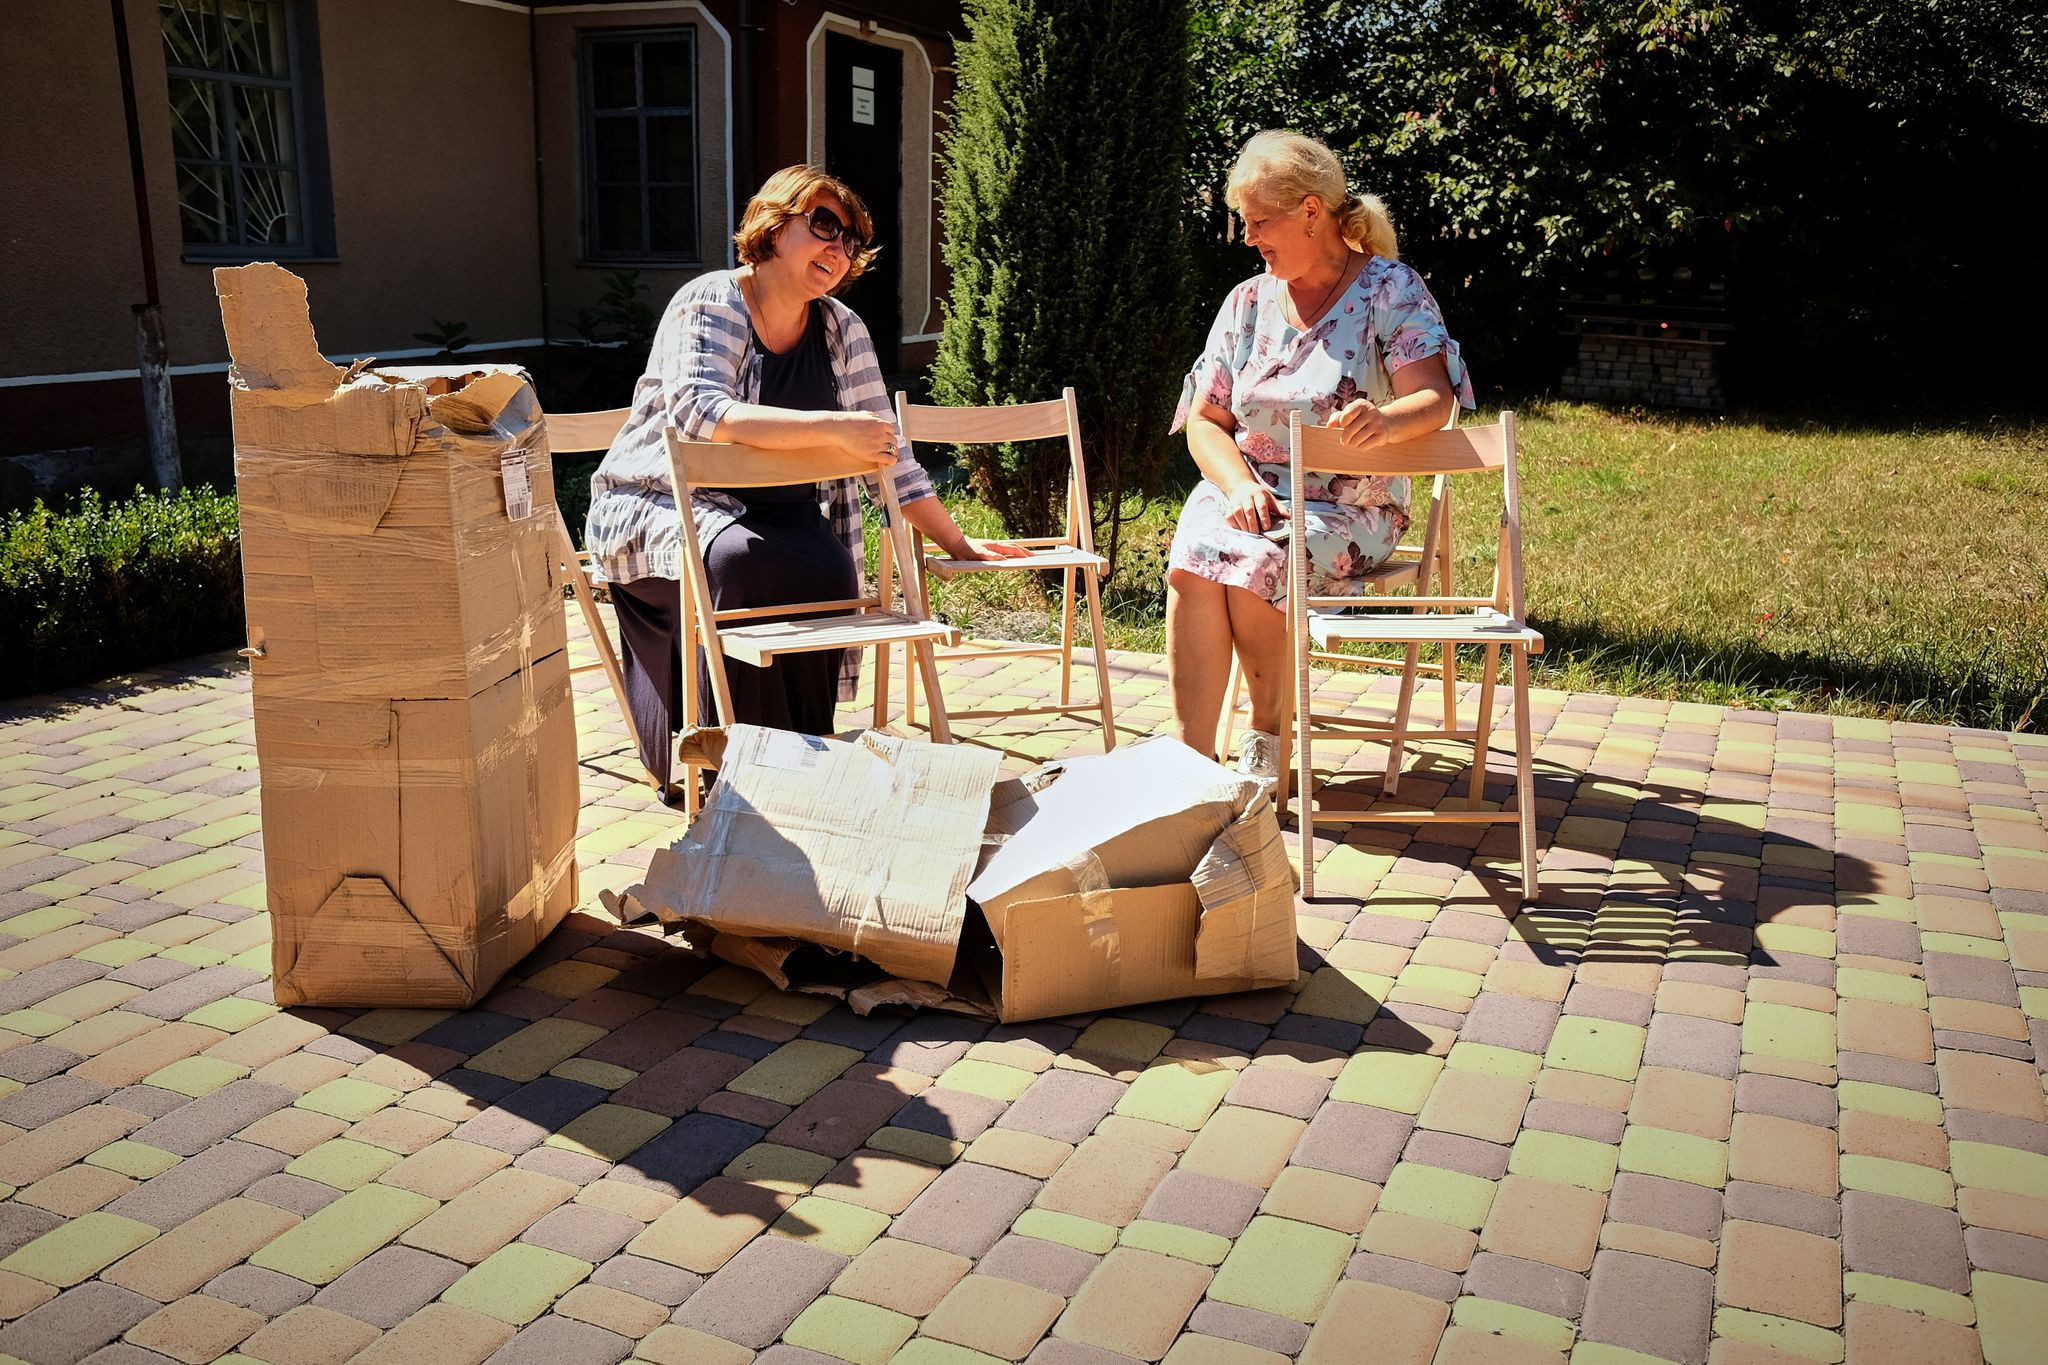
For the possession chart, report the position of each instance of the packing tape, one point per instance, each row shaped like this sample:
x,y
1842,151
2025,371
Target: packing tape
x,y
1098,915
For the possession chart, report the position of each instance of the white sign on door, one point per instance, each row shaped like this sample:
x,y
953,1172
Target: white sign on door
x,y
864,95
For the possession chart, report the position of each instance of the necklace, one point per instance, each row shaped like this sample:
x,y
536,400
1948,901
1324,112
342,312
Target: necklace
x,y
1342,271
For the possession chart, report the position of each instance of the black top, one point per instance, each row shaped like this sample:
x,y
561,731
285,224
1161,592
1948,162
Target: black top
x,y
799,378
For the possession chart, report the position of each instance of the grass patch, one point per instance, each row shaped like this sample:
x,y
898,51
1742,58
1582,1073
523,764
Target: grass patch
x,y
1745,562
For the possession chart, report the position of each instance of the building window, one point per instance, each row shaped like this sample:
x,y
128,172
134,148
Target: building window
x,y
640,144
244,126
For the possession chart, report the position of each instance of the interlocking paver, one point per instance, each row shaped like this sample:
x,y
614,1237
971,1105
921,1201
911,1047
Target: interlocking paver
x,y
1134,1303
997,1317
760,1291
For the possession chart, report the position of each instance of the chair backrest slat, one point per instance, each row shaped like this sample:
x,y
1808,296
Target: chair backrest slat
x,y
1467,450
958,426
719,464
571,432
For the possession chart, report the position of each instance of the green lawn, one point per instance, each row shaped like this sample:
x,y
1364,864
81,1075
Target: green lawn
x,y
1748,562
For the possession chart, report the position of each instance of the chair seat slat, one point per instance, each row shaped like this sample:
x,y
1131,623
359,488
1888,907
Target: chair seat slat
x,y
758,644
1039,559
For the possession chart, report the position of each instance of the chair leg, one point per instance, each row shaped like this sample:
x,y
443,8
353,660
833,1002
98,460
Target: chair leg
x,y
1449,671
1092,584
1233,692
687,662
1483,724
1067,637
915,568
1525,773
884,654
586,603
942,726
1390,784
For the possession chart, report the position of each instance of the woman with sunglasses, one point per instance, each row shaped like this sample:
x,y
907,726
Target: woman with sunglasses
x,y
764,355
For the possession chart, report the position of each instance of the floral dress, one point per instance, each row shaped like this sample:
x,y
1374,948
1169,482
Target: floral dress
x,y
1262,369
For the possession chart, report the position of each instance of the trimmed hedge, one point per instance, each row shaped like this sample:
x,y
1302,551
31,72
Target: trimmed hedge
x,y
109,587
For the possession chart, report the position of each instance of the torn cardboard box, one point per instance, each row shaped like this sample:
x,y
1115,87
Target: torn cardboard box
x,y
414,731
1144,874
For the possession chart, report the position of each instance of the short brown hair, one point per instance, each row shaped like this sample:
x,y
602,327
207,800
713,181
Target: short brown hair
x,y
789,193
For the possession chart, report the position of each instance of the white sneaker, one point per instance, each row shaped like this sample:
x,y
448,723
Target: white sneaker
x,y
1258,755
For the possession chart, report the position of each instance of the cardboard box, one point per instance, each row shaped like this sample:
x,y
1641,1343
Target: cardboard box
x,y
1146,874
416,849
414,731
378,556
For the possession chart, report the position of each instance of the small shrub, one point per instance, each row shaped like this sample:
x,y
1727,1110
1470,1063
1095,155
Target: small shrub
x,y
108,587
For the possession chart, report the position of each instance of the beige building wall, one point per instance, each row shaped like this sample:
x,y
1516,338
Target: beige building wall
x,y
430,134
69,264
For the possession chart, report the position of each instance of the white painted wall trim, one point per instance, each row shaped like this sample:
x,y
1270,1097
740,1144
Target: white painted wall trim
x,y
19,381
725,64
917,127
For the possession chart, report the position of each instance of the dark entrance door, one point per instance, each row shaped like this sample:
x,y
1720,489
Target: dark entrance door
x,y
864,147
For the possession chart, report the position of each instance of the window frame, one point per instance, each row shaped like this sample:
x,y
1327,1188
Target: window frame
x,y
309,145
587,116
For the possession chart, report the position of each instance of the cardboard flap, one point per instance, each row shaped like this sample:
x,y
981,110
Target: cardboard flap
x,y
363,945
1245,884
270,330
341,496
1142,815
864,847
476,407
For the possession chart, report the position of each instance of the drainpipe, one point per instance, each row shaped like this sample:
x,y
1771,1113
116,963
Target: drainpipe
x,y
540,202
744,151
152,358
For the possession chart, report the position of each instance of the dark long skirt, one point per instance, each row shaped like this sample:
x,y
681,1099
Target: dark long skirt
x,y
779,552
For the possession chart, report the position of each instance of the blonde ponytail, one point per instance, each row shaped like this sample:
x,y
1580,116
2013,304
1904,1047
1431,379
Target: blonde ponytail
x,y
1366,227
1283,168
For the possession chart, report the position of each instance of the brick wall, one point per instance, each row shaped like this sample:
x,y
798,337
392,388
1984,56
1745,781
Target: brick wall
x,y
1666,371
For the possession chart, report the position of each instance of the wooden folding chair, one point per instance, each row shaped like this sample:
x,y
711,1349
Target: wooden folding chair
x,y
743,633
1072,552
576,433
1492,623
1412,567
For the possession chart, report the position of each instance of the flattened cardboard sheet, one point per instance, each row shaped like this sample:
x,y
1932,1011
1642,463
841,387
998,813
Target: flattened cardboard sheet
x,y
864,847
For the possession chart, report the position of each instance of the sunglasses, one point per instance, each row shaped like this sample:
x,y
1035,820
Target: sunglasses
x,y
825,225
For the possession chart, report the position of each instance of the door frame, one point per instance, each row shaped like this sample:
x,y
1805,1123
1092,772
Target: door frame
x,y
914,201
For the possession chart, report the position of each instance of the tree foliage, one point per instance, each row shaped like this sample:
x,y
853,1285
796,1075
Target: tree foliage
x,y
1847,166
1062,198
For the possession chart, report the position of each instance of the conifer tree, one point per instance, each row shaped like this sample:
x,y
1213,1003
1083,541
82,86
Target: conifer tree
x,y
1065,168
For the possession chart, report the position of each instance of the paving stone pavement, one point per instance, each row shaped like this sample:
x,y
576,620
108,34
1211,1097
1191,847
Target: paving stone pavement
x,y
1759,1079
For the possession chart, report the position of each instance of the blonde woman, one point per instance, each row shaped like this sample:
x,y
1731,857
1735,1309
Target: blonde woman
x,y
765,355
1337,328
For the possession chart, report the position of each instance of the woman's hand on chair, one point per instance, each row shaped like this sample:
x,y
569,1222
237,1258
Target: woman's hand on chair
x,y
864,435
1252,507
1361,422
994,549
